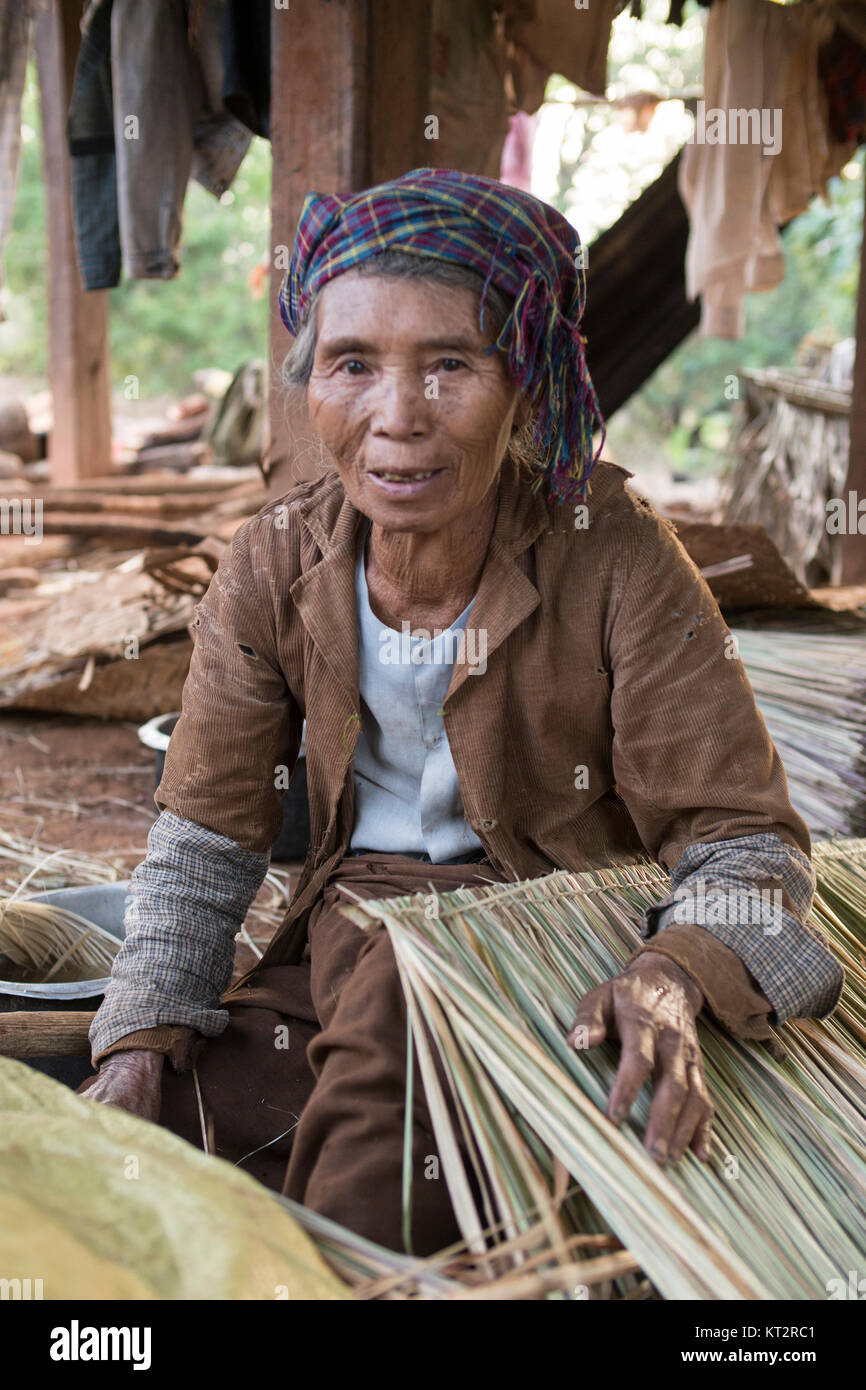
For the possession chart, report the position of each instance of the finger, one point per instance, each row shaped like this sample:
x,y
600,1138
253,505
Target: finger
x,y
671,1094
637,1036
594,1019
696,1111
702,1142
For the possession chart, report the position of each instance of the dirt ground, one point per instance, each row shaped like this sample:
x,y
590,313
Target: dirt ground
x,y
82,784
87,785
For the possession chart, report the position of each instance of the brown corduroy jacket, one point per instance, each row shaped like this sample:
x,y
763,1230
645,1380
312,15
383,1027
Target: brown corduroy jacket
x,y
613,717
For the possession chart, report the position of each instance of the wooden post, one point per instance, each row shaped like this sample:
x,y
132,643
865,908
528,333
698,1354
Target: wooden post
x,y
80,445
852,547
349,92
318,141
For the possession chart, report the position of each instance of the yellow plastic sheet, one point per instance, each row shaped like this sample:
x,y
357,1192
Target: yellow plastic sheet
x,y
98,1204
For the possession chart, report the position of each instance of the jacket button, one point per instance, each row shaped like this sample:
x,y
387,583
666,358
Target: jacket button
x,y
486,825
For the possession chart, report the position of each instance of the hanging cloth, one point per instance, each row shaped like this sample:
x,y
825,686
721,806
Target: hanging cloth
x,y
739,189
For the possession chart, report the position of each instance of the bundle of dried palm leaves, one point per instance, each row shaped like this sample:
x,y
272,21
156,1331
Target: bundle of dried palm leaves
x,y
809,677
491,983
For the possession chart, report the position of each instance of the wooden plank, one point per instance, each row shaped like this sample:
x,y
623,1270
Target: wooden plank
x,y
219,479
80,443
852,547
147,505
319,141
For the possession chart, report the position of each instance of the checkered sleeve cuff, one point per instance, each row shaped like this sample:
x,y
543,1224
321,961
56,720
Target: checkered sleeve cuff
x,y
187,901
754,894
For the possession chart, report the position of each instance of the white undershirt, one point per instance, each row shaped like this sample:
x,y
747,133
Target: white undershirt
x,y
407,795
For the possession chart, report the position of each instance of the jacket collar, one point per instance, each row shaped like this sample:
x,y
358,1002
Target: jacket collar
x,y
324,595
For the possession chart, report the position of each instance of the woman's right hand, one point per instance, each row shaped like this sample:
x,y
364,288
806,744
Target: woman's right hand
x,y
132,1081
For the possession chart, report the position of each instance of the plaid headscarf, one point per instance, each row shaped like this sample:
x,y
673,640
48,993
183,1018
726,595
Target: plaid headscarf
x,y
516,242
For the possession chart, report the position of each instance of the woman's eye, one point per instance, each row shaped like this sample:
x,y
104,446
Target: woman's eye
x,y
353,367
452,364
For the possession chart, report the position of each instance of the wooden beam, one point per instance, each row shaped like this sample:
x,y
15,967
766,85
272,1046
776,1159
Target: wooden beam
x,y
852,547
401,56
636,306
80,443
319,70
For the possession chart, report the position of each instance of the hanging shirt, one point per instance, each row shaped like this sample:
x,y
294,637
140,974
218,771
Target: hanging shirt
x,y
407,796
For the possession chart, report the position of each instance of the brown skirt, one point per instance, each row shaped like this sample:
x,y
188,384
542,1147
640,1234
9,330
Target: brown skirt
x,y
305,1089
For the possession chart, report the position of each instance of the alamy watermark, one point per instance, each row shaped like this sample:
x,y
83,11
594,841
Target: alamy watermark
x,y
846,516
21,516
21,1289
854,1287
738,125
77,1343
746,905
421,647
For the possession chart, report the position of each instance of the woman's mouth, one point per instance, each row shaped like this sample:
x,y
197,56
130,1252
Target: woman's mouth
x,y
403,483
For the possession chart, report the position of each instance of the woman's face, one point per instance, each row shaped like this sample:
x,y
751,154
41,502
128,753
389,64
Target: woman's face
x,y
416,417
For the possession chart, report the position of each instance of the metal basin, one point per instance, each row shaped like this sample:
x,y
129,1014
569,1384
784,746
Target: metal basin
x,y
104,905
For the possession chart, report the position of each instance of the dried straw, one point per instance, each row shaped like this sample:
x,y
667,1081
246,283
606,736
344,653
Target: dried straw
x,y
48,943
491,985
39,867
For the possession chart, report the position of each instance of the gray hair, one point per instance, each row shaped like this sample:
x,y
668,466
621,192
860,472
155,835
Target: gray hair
x,y
297,365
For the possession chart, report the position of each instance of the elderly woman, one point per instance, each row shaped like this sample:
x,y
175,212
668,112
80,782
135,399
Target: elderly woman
x,y
503,672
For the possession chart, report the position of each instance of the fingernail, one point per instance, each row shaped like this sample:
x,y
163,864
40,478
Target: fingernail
x,y
618,1115
660,1153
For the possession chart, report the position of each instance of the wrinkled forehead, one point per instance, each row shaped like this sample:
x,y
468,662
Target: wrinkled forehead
x,y
388,309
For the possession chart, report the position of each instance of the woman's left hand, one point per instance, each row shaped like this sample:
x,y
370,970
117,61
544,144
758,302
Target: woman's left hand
x,y
651,1008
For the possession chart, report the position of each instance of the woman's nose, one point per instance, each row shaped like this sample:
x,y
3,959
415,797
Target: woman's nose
x,y
400,409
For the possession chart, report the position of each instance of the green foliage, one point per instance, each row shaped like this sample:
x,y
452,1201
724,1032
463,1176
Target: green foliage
x,y
23,338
